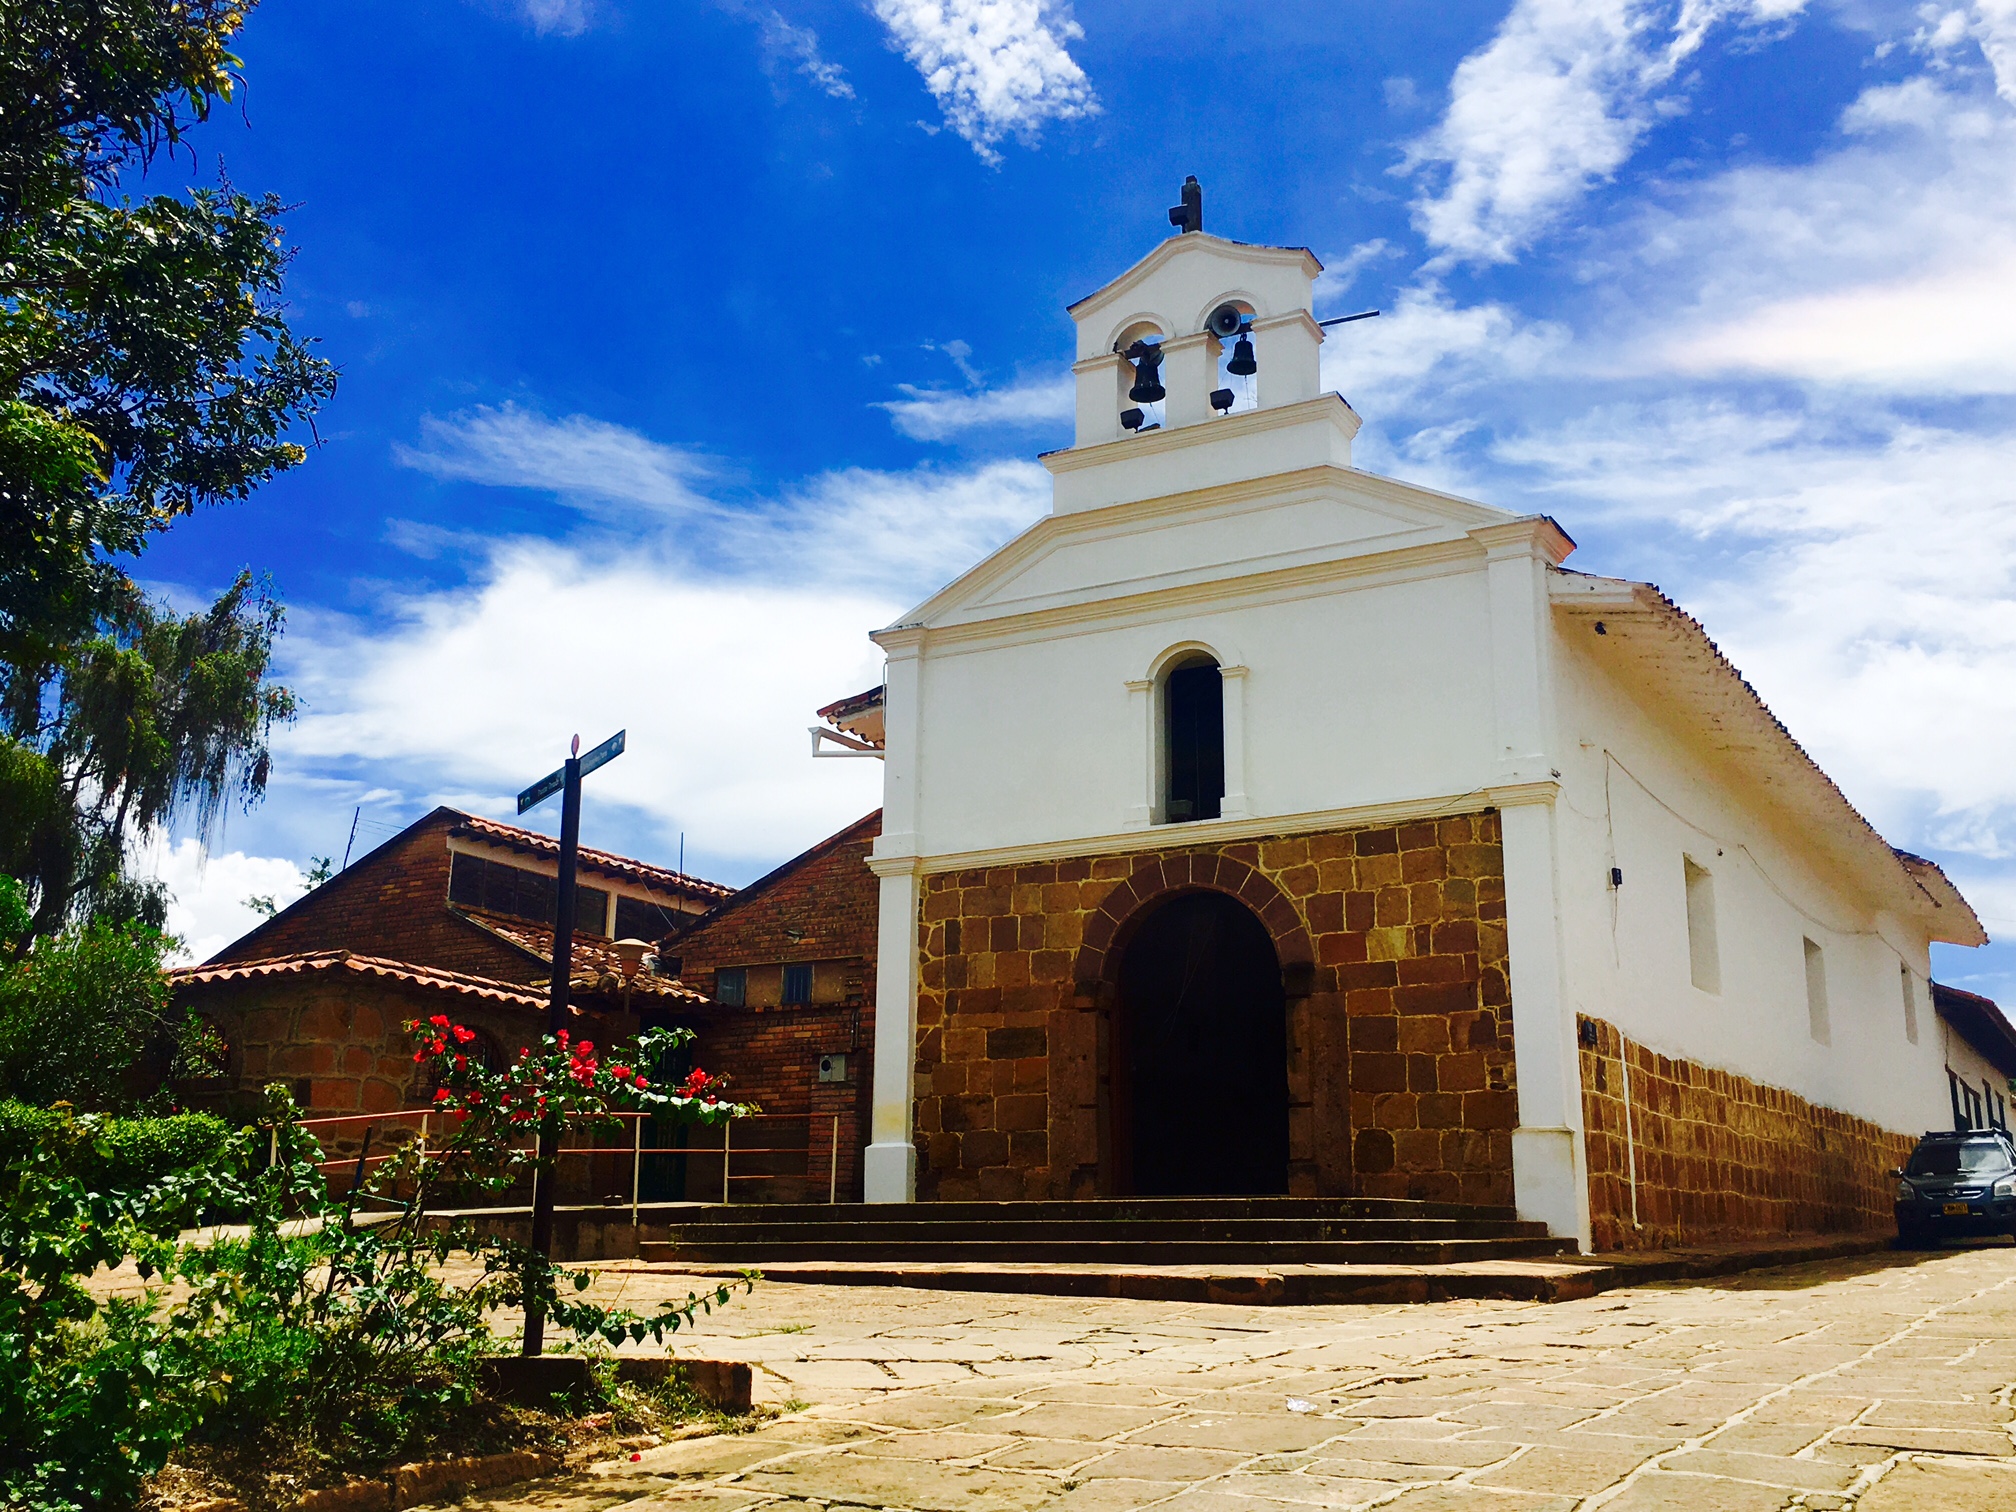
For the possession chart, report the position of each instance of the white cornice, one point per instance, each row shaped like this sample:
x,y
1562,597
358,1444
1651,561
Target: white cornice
x,y
1281,585
1222,831
1182,437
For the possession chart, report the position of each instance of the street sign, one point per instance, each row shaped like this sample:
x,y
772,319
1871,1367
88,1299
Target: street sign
x,y
604,753
551,783
567,782
541,790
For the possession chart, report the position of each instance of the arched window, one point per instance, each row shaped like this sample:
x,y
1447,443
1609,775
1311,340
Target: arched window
x,y
1193,725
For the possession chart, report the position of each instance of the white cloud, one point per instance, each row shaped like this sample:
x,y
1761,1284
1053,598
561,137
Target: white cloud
x,y
996,67
209,910
798,47
712,640
715,680
939,415
1425,343
1995,31
562,18
1884,263
1554,104
589,464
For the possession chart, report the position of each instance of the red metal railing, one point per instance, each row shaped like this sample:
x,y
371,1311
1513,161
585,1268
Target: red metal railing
x,y
636,1149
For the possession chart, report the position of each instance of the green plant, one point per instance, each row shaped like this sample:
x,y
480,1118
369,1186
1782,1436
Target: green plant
x,y
92,1395
127,1154
314,1332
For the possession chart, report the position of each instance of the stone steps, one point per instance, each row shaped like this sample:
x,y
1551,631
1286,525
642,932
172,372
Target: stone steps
x,y
1115,1232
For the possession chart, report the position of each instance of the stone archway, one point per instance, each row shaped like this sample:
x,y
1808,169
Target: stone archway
x,y
1198,1058
1097,971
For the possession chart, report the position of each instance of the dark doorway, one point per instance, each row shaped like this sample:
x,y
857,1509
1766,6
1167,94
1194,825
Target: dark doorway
x,y
1194,696
1200,1054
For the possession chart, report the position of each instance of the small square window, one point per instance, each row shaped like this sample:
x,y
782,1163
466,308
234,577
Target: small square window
x,y
797,985
731,986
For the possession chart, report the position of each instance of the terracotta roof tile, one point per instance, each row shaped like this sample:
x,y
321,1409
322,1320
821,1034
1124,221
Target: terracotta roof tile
x,y
532,842
597,968
434,977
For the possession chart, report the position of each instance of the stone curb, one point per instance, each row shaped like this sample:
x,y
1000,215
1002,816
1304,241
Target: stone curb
x,y
429,1481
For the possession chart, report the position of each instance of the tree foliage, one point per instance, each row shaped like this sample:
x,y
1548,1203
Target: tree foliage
x,y
147,369
86,1018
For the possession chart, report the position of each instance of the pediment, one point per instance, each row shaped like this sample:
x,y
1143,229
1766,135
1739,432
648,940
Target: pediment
x,y
1323,516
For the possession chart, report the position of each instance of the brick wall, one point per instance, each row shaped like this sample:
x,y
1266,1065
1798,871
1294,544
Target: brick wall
x,y
1392,943
1719,1156
392,904
820,907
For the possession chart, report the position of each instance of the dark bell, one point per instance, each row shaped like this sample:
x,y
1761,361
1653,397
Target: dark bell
x,y
1242,362
1222,399
1147,373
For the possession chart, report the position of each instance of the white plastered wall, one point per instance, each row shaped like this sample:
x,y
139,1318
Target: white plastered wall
x,y
1358,695
1640,796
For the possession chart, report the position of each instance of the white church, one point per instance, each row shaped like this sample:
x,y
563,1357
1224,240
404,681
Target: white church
x,y
1256,824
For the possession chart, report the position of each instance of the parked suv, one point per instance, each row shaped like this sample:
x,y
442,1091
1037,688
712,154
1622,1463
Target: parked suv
x,y
1958,1185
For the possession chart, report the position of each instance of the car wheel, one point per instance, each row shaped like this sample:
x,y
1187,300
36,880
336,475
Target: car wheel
x,y
1913,1238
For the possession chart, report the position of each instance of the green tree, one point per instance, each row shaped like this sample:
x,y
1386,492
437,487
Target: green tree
x,y
86,1018
146,369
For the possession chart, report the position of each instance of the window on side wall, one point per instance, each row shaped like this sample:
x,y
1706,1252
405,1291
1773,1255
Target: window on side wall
x,y
797,985
1704,958
1193,728
731,986
1817,1023
1910,991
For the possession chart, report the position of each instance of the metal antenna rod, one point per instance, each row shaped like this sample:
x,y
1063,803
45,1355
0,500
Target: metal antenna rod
x,y
1347,319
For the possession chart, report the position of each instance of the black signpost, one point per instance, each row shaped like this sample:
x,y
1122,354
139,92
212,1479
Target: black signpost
x,y
567,782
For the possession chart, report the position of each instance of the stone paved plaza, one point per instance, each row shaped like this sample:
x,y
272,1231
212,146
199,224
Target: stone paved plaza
x,y
1880,1383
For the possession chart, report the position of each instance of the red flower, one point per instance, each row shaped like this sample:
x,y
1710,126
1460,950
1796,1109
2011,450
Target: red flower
x,y
440,1094
641,1084
463,1036
563,1036
461,1063
419,1056
621,1073
439,1021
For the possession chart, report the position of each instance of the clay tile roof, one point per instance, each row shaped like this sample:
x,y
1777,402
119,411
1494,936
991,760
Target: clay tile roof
x,y
532,842
854,703
343,960
1979,1021
596,967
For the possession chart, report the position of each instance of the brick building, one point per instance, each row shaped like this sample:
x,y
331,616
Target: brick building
x,y
786,970
453,914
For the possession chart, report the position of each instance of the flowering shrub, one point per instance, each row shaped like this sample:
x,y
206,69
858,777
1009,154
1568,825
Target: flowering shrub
x,y
562,1082
312,1333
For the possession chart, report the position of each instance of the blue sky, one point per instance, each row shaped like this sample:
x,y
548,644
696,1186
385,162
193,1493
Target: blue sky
x,y
681,345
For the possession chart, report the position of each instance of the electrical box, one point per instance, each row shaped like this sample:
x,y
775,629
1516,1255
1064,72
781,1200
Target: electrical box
x,y
832,1068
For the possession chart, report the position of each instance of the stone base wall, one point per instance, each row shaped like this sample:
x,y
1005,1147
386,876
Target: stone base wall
x,y
1718,1156
1392,944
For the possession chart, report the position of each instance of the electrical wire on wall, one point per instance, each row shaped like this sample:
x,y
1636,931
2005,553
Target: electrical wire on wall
x,y
1721,846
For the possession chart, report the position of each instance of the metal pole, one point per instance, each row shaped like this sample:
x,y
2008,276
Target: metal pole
x,y
636,1164
727,1130
833,1175
556,1020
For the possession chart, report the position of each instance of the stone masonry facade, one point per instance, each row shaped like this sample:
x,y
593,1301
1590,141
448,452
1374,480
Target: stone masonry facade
x,y
1718,1156
1391,940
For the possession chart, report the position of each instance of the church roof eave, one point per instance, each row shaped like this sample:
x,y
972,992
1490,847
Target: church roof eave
x,y
1705,690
